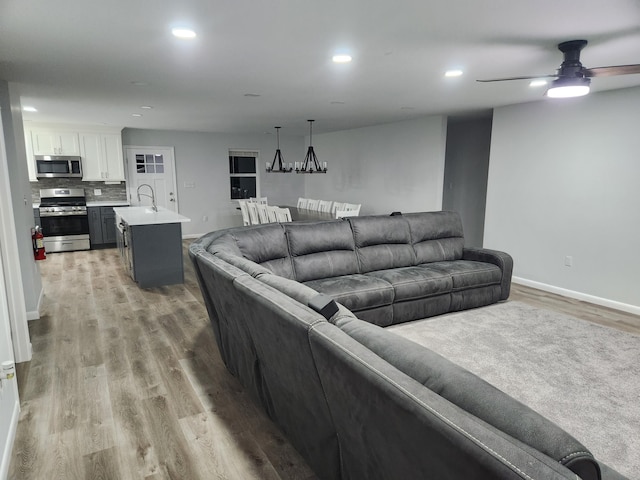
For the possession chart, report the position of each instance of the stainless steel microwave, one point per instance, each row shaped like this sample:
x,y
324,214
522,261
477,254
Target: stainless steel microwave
x,y
52,166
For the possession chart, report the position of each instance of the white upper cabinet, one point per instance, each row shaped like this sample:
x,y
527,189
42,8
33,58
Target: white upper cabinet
x,y
102,158
48,142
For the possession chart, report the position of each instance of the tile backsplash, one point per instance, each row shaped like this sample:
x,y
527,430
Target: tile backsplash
x,y
109,192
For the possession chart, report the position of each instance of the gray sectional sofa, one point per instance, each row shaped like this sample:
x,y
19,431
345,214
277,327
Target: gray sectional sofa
x,y
357,401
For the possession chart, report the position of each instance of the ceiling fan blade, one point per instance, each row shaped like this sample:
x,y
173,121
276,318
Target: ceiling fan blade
x,y
612,71
532,77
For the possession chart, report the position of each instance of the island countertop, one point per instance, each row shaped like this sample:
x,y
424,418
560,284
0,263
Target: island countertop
x,y
146,216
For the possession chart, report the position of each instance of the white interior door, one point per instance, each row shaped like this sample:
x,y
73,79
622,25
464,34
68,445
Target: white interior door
x,y
154,166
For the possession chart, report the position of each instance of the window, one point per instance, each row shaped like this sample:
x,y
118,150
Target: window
x,y
242,172
149,163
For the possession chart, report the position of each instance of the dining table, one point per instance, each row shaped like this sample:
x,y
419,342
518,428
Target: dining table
x,y
303,214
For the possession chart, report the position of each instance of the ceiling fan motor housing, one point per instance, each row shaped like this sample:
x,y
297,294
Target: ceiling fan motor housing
x,y
571,66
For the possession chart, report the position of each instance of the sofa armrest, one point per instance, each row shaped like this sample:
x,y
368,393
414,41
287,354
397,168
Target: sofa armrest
x,y
503,260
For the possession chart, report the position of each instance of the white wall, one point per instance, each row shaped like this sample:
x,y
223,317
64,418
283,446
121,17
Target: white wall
x,y
203,159
564,181
391,167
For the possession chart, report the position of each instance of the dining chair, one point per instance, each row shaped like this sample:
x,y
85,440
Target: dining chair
x,y
253,213
325,206
353,207
313,204
262,200
346,213
245,212
302,202
283,214
338,206
263,215
271,213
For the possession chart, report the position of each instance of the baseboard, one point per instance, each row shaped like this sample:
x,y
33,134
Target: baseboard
x,y
35,314
192,235
6,455
604,302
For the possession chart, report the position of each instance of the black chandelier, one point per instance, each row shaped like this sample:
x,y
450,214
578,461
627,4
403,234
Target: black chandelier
x,y
278,158
311,163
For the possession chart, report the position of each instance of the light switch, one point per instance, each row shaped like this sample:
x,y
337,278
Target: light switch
x,y
189,184
97,191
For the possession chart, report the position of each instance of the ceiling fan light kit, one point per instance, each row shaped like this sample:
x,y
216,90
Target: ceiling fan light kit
x,y
569,87
572,79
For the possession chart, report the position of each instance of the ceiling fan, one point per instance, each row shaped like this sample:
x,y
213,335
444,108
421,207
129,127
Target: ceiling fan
x,y
572,79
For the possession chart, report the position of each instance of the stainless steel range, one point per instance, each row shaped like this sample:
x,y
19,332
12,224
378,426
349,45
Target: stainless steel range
x,y
64,219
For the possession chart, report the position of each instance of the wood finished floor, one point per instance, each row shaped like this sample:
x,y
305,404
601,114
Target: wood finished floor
x,y
126,383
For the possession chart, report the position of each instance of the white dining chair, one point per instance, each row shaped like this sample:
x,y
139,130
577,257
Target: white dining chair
x,y
263,215
302,202
271,213
262,200
253,213
353,207
325,206
313,204
283,214
337,206
245,212
346,213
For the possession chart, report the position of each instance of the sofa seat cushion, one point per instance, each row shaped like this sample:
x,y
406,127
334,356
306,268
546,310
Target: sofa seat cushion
x,y
411,283
356,292
467,274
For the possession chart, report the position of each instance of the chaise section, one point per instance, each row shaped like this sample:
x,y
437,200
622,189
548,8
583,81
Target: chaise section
x,y
474,395
392,426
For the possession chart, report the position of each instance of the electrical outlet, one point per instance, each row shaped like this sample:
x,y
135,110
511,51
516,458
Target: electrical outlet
x,y
97,191
189,184
568,261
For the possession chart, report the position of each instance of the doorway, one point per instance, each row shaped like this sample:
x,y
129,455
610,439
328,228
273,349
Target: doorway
x,y
154,166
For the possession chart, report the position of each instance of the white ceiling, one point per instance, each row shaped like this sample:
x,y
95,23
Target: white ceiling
x,y
77,61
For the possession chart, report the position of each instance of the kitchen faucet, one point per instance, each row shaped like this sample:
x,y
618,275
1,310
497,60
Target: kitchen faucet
x,y
152,196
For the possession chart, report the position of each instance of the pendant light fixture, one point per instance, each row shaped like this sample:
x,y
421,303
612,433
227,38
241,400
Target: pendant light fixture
x,y
281,167
311,164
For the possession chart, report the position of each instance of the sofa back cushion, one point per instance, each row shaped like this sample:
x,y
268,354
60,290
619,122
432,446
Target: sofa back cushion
x,y
436,236
265,245
321,250
382,242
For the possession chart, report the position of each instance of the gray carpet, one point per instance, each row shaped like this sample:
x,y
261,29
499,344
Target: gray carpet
x,y
582,376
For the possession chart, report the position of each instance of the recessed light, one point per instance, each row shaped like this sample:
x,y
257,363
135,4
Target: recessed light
x,y
453,73
183,33
136,114
29,109
252,95
342,58
146,107
537,83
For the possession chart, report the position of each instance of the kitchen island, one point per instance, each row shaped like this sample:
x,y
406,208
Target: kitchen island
x,y
150,244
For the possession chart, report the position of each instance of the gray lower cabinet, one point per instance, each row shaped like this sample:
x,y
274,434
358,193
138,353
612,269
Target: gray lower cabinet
x,y
153,254
102,227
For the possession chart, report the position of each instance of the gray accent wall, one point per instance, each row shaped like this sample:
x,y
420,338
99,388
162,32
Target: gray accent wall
x,y
563,182
390,167
465,174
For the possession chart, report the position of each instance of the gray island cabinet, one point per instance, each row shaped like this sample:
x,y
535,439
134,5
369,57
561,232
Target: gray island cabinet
x,y
150,245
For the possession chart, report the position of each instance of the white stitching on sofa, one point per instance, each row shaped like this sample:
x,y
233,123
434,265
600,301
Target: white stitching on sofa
x,y
432,410
575,454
